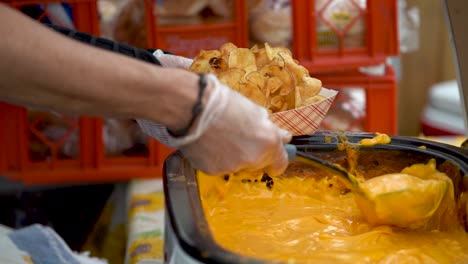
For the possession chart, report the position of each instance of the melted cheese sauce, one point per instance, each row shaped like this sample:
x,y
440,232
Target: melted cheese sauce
x,y
316,220
426,192
378,139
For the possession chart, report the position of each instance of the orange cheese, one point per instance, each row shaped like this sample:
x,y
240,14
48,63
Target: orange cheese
x,y
315,220
377,140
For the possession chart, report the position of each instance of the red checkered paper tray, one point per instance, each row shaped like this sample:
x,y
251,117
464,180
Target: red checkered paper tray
x,y
305,120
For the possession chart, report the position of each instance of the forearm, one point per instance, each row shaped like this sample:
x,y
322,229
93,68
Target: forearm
x,y
39,67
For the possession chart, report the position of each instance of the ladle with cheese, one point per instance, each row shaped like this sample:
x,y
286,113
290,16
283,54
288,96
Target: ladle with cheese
x,y
407,199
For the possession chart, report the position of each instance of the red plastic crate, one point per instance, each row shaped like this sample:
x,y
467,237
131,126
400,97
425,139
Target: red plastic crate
x,y
366,36
23,132
373,108
188,39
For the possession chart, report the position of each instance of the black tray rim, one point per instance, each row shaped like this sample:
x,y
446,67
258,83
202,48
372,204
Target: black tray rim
x,y
190,227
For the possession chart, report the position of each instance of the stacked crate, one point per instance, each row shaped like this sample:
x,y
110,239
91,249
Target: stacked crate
x,y
335,39
50,148
333,44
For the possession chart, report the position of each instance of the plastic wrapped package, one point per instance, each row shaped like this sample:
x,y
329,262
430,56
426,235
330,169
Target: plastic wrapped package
x,y
189,11
348,111
408,25
337,15
270,21
130,28
222,8
108,11
124,137
52,134
341,17
119,136
186,8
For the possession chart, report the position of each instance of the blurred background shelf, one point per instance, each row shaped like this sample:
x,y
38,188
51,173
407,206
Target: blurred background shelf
x,y
341,42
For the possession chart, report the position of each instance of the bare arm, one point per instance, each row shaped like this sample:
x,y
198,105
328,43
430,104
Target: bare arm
x,y
39,67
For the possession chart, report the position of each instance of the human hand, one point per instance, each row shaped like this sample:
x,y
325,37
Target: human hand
x,y
172,61
232,134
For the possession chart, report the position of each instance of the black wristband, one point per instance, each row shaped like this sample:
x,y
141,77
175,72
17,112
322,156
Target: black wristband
x,y
196,110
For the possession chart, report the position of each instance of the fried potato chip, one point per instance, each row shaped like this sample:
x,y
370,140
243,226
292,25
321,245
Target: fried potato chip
x,y
268,76
312,100
284,107
277,101
273,84
298,71
278,61
200,66
212,53
290,99
286,56
227,48
242,59
208,54
298,97
273,53
232,78
202,62
218,64
254,48
251,91
285,90
312,86
261,58
256,78
288,82
269,51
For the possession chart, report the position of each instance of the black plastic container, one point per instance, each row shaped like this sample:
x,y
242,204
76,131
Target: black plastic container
x,y
188,238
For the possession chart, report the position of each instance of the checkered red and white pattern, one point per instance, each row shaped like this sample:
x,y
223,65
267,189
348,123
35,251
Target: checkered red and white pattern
x,y
307,119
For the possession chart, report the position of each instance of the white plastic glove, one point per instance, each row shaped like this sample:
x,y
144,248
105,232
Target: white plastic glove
x,y
172,61
231,134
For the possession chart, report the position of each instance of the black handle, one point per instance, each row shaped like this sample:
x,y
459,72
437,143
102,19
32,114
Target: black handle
x,y
294,154
107,44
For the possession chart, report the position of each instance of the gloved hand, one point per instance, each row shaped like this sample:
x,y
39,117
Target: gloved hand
x,y
231,134
172,61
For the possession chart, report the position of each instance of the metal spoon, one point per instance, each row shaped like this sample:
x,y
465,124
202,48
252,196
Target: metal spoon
x,y
393,199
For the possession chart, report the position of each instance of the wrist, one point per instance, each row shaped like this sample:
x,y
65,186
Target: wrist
x,y
171,104
205,97
197,108
184,97
214,102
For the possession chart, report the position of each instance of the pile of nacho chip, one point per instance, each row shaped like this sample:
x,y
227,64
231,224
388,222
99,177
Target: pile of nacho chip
x,y
268,76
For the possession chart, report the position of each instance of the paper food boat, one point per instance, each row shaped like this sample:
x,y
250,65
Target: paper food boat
x,y
307,119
